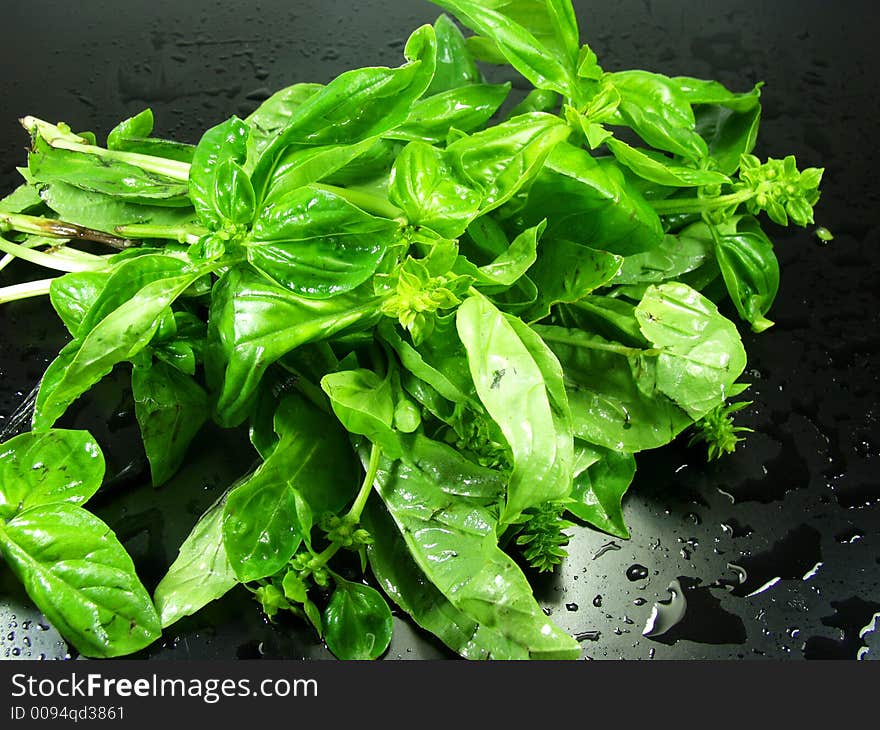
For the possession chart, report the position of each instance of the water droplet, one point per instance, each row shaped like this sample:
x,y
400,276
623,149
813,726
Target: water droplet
x,y
636,572
571,607
597,601
588,636
666,614
608,546
639,601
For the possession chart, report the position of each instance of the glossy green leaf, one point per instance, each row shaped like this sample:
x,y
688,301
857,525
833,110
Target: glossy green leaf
x,y
751,271
656,109
702,355
225,141
79,575
170,408
675,256
567,272
201,573
465,108
364,404
357,622
708,91
105,212
539,38
609,405
253,322
729,133
268,119
233,194
263,522
357,105
73,294
317,244
660,169
455,66
505,158
452,540
523,396
140,125
598,490
118,337
43,468
511,264
589,203
430,193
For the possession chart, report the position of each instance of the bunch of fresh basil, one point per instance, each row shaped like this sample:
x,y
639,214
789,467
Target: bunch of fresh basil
x,y
449,322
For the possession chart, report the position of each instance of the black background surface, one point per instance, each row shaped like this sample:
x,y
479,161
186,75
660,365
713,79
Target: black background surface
x,y
796,509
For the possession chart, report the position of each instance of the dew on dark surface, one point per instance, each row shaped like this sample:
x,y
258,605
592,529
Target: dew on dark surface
x,y
636,572
854,618
794,556
693,613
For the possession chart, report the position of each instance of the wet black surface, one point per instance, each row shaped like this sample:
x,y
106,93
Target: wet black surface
x,y
773,552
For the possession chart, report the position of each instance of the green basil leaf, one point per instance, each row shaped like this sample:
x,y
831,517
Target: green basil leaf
x,y
455,66
106,212
262,524
430,193
233,194
598,490
357,622
118,337
79,575
729,133
524,397
253,322
43,468
539,38
505,158
465,108
73,294
702,355
170,408
201,573
268,119
656,109
751,271
589,203
317,244
567,272
452,540
610,405
225,141
364,403
140,125
675,256
661,170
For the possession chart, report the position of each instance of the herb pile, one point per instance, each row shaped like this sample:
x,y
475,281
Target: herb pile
x,y
448,322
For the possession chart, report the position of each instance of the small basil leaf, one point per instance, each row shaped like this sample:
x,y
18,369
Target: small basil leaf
x,y
357,622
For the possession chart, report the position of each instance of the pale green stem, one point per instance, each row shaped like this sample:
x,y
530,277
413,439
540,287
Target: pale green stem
x,y
39,226
366,487
699,205
181,234
56,260
25,290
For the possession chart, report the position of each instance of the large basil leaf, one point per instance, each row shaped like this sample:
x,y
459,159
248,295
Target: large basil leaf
x,y
539,38
455,67
659,169
253,322
222,143
427,188
263,520
81,578
701,353
118,337
452,540
52,466
609,405
73,294
520,384
317,244
94,174
590,203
